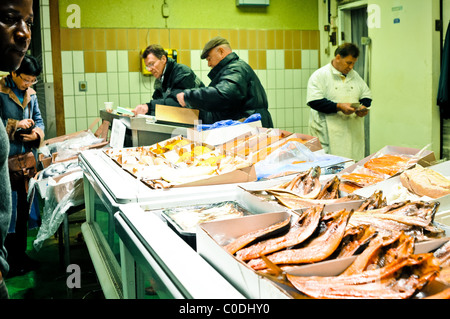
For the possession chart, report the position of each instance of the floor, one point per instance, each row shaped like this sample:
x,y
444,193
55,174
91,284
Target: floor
x,y
49,281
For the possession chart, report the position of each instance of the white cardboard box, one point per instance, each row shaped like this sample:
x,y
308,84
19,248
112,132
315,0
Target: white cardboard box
x,y
212,236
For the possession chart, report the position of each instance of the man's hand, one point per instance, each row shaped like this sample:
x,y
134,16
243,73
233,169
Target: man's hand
x,y
140,109
180,98
362,111
345,108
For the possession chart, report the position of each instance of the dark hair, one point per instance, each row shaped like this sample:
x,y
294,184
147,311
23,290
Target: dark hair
x,y
347,49
29,66
156,50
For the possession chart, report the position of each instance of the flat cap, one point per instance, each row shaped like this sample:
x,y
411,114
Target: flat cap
x,y
214,42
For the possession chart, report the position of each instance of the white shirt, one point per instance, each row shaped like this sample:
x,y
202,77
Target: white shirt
x,y
325,83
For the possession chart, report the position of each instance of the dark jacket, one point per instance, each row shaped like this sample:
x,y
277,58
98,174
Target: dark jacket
x,y
443,98
235,92
176,78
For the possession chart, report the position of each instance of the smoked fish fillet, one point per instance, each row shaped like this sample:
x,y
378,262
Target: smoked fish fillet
x,y
317,249
299,232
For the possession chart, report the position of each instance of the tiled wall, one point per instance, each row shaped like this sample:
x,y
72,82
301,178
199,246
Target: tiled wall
x,y
108,60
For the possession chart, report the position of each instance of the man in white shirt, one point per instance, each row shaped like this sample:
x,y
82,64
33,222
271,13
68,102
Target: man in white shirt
x,y
339,99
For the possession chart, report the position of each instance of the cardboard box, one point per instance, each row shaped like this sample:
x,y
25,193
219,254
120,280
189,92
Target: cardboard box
x,y
212,236
223,135
174,114
101,132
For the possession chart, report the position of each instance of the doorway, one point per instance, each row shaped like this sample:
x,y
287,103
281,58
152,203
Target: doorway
x,y
353,25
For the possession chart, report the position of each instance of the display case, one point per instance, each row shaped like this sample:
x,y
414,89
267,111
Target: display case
x,y
108,189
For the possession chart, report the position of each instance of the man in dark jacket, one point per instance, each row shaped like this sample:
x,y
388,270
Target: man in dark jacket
x,y
170,78
235,91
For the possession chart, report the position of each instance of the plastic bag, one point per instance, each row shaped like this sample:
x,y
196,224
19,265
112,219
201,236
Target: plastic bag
x,y
296,157
60,196
225,123
71,147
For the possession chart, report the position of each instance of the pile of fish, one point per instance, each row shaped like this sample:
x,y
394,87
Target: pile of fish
x,y
368,231
386,269
304,190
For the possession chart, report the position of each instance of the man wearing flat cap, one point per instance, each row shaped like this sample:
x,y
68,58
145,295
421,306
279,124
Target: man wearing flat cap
x,y
235,91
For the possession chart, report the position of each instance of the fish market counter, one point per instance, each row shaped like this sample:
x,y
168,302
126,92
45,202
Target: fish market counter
x,y
135,251
140,131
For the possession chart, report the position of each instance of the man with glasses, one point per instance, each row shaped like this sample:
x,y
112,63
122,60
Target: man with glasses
x,y
20,114
170,79
235,91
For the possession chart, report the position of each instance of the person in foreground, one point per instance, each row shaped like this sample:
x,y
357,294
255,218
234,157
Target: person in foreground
x,y
235,91
339,99
170,78
19,110
16,18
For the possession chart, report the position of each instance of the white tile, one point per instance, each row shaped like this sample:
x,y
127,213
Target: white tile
x,y
289,97
111,61
114,98
305,78
68,87
243,54
279,79
289,117
101,99
204,77
298,116
134,82
298,98
80,106
92,105
45,17
314,59
122,61
297,76
48,63
66,62
271,79
71,126
280,98
69,106
279,59
145,98
195,60
102,83
82,123
124,83
204,66
262,75
135,99
305,114
305,59
281,119
124,100
91,80
113,83
270,60
47,40
289,79
78,61
271,98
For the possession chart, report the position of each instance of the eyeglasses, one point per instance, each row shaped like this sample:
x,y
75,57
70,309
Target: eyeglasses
x,y
29,82
151,65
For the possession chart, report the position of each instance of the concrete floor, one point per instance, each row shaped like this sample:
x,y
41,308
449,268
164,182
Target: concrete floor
x,y
49,281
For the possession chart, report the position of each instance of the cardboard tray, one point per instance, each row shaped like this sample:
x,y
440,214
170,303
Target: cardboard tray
x,y
174,114
213,235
